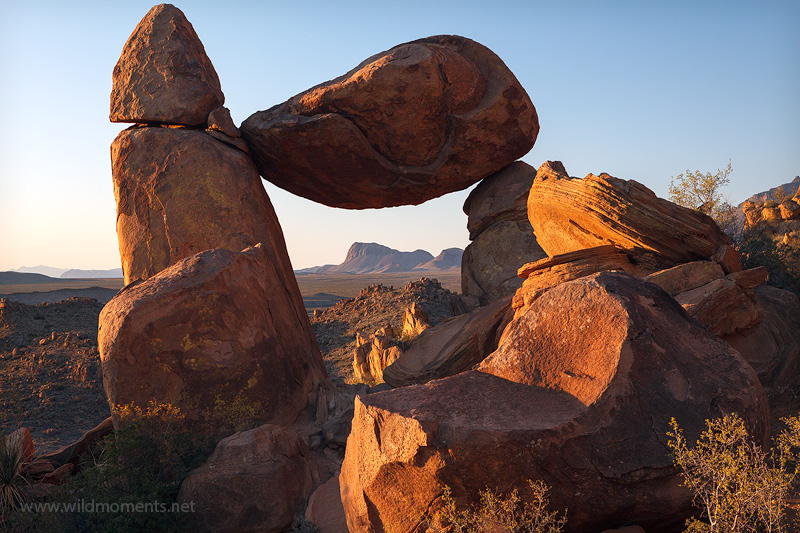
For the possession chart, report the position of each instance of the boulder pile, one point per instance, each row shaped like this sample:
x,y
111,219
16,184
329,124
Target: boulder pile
x,y
591,313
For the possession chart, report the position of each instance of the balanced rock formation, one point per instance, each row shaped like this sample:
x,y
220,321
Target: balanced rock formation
x,y
502,238
180,192
164,74
255,480
219,325
569,214
453,346
415,122
596,369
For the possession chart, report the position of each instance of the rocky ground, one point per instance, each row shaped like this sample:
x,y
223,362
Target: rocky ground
x,y
373,308
49,370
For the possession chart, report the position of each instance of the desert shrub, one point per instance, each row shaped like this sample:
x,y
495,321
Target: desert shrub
x,y
701,191
239,414
504,513
12,482
143,462
738,486
758,247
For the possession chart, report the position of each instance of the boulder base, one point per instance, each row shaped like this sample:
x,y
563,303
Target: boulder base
x,y
217,326
579,395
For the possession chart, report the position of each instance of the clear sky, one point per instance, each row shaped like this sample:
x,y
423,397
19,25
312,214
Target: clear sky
x,y
641,90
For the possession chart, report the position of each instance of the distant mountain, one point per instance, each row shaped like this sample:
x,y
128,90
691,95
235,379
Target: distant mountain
x,y
373,258
41,269
78,273
788,188
13,278
449,259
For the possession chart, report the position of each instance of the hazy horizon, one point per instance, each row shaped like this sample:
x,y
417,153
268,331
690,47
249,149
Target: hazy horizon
x,y
640,91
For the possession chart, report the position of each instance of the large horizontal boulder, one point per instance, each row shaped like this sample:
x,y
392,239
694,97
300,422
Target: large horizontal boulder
x,y
255,480
453,346
595,370
180,192
219,326
415,122
568,214
164,75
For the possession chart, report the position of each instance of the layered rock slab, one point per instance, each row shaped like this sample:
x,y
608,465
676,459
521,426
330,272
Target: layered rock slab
x,y
164,74
180,192
579,395
219,325
415,122
255,480
569,214
453,346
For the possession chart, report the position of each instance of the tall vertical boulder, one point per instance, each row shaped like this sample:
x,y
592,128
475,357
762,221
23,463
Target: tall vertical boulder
x,y
164,75
407,125
219,326
501,235
182,191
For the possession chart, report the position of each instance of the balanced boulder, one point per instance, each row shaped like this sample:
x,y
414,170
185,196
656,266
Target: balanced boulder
x,y
164,75
219,326
568,214
415,122
579,395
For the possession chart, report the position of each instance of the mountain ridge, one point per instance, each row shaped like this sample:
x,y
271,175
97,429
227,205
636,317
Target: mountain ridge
x,y
374,258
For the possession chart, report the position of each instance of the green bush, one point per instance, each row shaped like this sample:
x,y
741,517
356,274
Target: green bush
x,y
757,246
143,462
739,487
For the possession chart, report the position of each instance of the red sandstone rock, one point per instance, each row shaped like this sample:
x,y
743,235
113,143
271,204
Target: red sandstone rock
x,y
772,347
73,452
217,325
580,396
455,345
503,196
180,192
790,210
23,441
415,122
164,74
540,276
728,258
722,306
568,214
325,508
751,278
415,321
254,481
685,277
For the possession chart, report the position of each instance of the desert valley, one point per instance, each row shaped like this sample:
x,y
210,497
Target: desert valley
x,y
562,372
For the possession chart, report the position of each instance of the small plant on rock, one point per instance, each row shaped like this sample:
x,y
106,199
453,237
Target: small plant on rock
x,y
504,513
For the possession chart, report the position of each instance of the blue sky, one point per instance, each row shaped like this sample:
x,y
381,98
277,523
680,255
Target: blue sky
x,y
641,90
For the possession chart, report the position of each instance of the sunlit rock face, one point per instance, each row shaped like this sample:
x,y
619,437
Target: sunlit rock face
x,y
569,214
164,74
218,326
415,122
579,394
